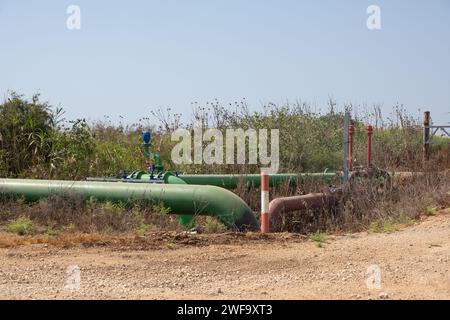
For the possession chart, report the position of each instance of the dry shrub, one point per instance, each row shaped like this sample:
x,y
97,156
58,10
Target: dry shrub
x,y
364,202
69,212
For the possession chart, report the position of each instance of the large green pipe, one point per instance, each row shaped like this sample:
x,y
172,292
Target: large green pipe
x,y
230,181
170,178
180,199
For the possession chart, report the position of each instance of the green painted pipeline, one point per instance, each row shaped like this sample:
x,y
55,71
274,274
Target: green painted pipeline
x,y
185,220
180,199
228,181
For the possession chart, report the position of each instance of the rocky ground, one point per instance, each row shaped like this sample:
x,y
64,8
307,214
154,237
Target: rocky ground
x,y
414,263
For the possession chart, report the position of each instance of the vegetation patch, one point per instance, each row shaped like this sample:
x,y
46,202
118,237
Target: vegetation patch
x,y
22,226
383,226
319,238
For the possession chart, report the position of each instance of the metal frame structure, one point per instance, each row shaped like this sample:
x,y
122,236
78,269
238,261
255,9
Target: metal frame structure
x,y
429,131
433,133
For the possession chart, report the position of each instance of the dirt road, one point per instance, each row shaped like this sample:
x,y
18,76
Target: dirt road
x,y
414,263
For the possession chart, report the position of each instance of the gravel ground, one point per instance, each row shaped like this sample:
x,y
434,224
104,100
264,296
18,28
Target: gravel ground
x,y
414,264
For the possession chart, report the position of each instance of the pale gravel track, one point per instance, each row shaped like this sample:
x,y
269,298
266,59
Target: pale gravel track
x,y
415,264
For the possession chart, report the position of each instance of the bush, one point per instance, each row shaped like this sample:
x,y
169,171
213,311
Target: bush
x,y
25,135
212,225
22,226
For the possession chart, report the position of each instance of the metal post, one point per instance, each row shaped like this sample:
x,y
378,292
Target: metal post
x,y
345,138
369,145
351,132
264,202
426,136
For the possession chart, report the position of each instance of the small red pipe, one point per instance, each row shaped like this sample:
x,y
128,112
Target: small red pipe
x,y
351,132
369,145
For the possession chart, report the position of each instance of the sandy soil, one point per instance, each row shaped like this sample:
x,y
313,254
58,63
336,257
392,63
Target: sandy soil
x,y
414,264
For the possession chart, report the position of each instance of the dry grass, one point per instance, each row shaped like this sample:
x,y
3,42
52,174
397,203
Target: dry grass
x,y
8,240
70,213
153,240
366,204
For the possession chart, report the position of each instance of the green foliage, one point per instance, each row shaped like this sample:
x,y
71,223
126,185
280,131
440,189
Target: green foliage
x,y
160,209
37,142
319,238
430,211
25,134
212,225
143,228
112,207
50,232
22,226
171,245
73,151
383,226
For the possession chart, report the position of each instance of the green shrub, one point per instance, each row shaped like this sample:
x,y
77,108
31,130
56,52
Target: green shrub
x,y
22,226
25,131
319,238
212,225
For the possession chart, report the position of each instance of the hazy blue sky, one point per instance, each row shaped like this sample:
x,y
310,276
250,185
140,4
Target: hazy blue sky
x,y
133,56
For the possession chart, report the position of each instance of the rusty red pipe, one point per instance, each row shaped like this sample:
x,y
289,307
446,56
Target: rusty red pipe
x,y
296,203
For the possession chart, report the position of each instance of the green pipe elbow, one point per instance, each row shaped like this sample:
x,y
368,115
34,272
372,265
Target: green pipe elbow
x,y
185,220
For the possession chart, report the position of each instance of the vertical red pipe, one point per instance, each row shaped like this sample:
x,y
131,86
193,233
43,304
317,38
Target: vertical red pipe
x,y
351,132
369,145
264,202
